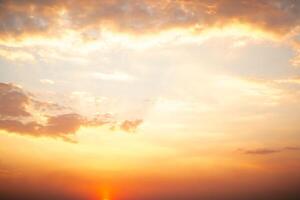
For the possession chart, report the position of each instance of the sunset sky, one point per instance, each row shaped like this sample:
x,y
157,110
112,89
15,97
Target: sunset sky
x,y
150,99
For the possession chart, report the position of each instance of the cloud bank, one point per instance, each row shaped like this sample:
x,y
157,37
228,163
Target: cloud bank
x,y
21,18
21,113
27,22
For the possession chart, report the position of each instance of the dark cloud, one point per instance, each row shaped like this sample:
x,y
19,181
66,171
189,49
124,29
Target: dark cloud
x,y
264,151
16,118
57,126
261,151
143,16
27,17
292,148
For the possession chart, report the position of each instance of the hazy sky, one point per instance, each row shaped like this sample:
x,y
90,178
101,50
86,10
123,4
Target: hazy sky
x,y
150,99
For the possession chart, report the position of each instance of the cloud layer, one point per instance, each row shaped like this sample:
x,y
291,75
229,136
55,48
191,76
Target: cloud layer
x,y
49,22
41,17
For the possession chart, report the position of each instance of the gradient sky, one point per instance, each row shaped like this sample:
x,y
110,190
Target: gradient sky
x,y
150,99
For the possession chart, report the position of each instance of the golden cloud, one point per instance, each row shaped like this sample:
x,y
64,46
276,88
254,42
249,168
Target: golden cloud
x,y
24,23
25,18
130,126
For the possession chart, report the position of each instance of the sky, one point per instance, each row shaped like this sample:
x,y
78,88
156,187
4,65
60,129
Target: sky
x,y
149,99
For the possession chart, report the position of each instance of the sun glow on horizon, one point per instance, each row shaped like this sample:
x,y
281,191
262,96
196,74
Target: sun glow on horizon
x,y
143,99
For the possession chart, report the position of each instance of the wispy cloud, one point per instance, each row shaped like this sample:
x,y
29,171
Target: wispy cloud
x,y
130,126
47,81
16,55
115,76
265,151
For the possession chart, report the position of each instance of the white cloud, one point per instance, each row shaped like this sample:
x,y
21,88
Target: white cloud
x,y
115,76
16,55
47,81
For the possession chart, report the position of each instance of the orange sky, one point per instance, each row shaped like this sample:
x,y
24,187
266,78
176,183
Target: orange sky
x,y
149,99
